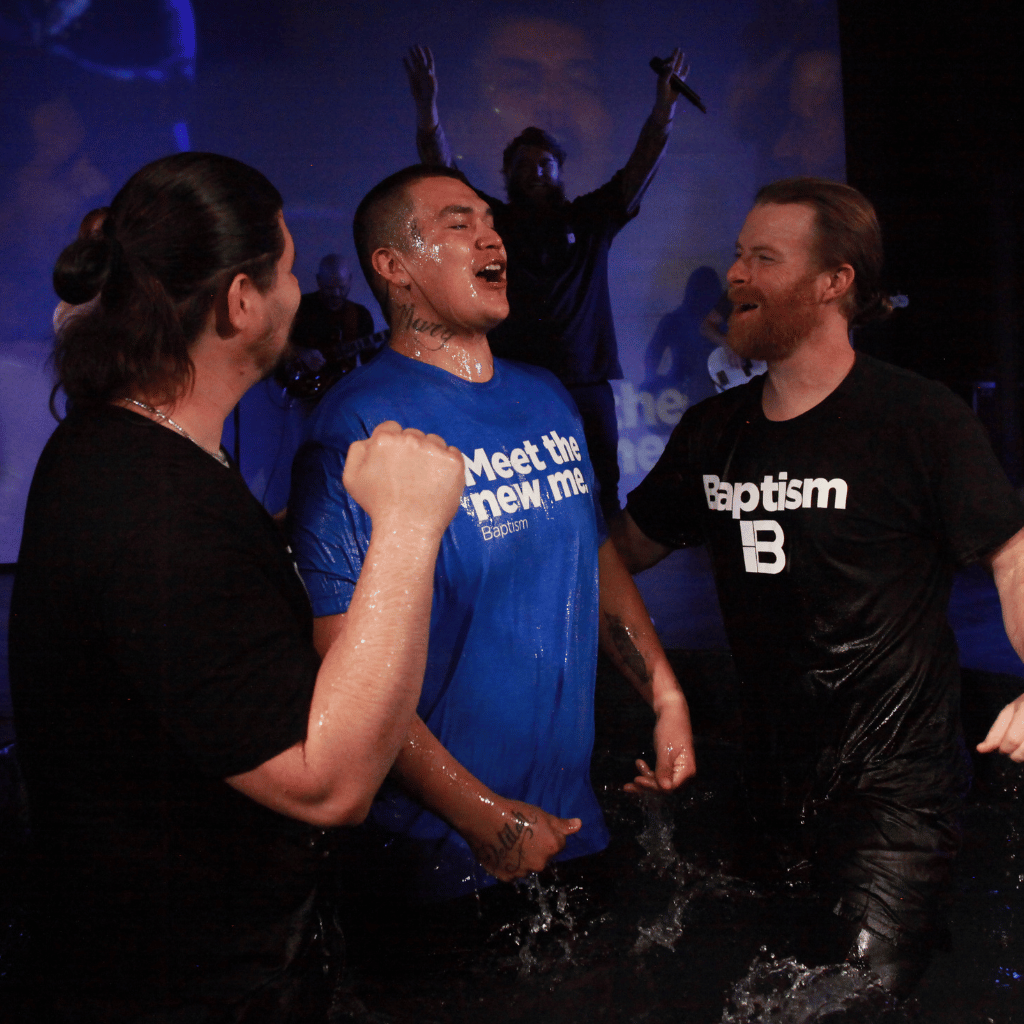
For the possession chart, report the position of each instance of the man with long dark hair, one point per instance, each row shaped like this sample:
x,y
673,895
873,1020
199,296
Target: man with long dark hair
x,y
837,496
182,743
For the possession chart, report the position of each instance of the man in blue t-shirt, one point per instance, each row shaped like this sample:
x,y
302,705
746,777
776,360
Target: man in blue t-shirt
x,y
493,781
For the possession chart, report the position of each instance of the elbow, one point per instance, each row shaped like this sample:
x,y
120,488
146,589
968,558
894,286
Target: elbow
x,y
337,810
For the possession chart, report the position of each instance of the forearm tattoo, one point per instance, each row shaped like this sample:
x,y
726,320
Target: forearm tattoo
x,y
507,851
405,319
632,659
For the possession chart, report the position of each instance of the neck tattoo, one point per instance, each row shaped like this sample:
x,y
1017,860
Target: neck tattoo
x,y
405,319
163,417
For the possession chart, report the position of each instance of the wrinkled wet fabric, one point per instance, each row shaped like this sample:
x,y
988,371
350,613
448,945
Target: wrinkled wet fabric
x,y
834,538
160,641
509,686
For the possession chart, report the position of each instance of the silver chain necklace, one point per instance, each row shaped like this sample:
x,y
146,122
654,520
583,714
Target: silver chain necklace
x,y
218,455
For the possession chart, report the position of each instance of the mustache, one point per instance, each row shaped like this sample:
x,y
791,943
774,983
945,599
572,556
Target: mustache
x,y
746,294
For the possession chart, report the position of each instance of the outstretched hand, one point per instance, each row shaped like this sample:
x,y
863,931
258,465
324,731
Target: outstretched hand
x,y
673,744
674,65
512,839
1007,732
419,66
405,478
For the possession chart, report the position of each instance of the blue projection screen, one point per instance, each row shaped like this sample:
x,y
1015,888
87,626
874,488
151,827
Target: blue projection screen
x,y
315,96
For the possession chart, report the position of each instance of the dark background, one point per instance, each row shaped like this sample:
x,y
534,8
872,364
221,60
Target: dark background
x,y
933,97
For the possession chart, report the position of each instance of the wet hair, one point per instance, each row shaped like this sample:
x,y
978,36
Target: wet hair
x,y
384,220
173,238
847,231
531,137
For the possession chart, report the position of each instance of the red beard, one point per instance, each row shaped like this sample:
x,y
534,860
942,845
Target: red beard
x,y
777,327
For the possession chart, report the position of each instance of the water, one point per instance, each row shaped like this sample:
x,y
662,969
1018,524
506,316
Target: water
x,y
657,930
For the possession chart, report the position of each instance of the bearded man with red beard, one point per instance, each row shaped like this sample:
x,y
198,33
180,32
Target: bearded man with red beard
x,y
838,495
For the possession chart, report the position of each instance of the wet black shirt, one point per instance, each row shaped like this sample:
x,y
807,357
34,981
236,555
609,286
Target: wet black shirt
x,y
160,641
834,538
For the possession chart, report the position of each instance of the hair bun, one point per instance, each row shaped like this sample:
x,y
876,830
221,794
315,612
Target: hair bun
x,y
82,268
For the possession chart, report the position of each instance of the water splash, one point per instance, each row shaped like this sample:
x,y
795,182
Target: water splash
x,y
547,936
784,991
688,878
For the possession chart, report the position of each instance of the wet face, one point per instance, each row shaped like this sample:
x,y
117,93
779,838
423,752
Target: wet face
x,y
455,260
534,176
775,285
280,303
334,287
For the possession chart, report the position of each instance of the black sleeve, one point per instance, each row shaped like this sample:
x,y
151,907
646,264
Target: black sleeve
x,y
206,620
978,508
667,506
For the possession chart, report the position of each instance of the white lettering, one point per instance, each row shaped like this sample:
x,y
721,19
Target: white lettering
x,y
507,499
567,482
711,483
794,499
670,406
529,493
745,498
520,461
480,465
499,460
755,545
823,487
478,500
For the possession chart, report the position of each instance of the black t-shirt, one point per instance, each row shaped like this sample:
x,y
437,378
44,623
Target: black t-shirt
x,y
560,311
160,641
834,538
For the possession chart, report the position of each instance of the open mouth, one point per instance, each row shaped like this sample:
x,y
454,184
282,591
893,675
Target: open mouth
x,y
493,273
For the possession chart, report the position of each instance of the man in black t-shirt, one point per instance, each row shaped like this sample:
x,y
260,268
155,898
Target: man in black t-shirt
x,y
560,313
837,496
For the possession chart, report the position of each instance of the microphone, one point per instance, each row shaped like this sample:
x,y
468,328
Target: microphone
x,y
659,66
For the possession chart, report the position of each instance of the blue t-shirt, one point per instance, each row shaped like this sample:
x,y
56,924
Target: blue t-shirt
x,y
509,684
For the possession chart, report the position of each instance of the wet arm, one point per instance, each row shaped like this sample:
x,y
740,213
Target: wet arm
x,y
629,639
1007,732
369,681
509,838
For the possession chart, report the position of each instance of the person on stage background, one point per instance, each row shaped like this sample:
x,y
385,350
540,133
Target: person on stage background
x,y
560,308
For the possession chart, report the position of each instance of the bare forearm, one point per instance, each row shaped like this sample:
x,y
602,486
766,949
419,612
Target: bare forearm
x,y
428,772
1007,566
365,693
509,838
432,144
627,633
370,679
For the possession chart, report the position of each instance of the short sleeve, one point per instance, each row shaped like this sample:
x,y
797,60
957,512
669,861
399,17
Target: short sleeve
x,y
667,506
977,507
330,532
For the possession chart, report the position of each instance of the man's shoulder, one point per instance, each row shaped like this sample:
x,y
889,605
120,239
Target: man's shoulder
x,y
897,392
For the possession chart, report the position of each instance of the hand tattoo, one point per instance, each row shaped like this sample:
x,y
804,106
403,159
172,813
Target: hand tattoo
x,y
508,852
